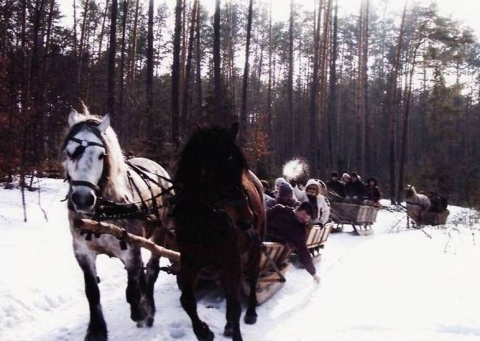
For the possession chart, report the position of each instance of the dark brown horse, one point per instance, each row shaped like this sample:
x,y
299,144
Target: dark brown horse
x,y
220,221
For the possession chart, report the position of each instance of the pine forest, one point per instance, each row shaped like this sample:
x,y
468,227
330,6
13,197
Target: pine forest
x,y
388,93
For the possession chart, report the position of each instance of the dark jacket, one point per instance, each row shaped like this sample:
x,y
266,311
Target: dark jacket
x,y
283,226
372,192
355,189
337,186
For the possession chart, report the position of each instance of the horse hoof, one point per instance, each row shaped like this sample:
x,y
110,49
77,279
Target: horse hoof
x,y
250,319
228,332
96,337
205,334
147,322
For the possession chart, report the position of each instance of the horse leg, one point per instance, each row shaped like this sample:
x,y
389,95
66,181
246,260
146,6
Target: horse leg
x,y
139,308
187,280
97,328
153,269
253,275
231,278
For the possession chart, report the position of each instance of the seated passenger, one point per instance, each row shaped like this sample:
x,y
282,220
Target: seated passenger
x,y
345,179
372,193
320,204
354,190
285,197
336,188
287,226
278,182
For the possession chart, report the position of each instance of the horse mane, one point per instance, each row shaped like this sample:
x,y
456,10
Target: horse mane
x,y
115,187
203,146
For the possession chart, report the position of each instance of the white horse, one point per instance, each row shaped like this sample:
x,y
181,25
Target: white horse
x,y
416,204
128,193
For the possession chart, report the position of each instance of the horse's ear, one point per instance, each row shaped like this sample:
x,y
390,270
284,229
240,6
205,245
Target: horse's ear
x,y
104,123
73,117
234,130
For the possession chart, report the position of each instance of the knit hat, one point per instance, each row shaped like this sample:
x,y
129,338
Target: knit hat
x,y
285,189
279,181
334,174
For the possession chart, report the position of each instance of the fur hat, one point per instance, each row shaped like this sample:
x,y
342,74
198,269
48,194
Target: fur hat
x,y
285,189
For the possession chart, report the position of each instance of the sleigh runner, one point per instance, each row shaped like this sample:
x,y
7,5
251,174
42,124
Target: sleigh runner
x,y
361,217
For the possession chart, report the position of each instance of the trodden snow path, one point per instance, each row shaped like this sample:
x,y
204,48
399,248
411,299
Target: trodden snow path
x,y
395,284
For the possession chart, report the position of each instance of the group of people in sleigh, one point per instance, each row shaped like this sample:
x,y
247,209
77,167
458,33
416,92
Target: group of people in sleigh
x,y
291,206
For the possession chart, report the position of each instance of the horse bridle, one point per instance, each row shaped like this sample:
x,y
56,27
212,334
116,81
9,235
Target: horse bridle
x,y
90,125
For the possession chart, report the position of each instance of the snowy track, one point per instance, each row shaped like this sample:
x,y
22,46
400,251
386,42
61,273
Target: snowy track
x,y
395,284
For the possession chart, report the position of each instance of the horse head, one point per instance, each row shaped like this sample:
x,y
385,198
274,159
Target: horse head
x,y
211,162
410,191
213,166
84,157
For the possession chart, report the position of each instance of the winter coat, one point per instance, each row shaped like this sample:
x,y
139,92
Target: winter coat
x,y
322,206
371,191
283,226
355,189
337,186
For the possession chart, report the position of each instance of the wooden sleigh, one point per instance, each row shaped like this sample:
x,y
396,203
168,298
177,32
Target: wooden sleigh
x,y
361,217
317,236
274,267
274,262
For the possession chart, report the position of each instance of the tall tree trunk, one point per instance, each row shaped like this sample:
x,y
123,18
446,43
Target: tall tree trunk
x,y
246,71
366,152
133,52
229,74
111,60
121,112
405,127
313,121
149,76
188,69
219,115
198,63
176,73
102,30
82,41
332,99
269,88
292,125
393,108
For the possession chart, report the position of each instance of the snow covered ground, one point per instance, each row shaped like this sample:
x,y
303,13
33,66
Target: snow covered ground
x,y
396,284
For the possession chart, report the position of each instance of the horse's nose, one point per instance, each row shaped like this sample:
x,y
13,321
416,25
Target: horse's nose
x,y
83,201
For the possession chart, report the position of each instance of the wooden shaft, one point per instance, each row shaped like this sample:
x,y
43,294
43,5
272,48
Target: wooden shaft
x,y
116,231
